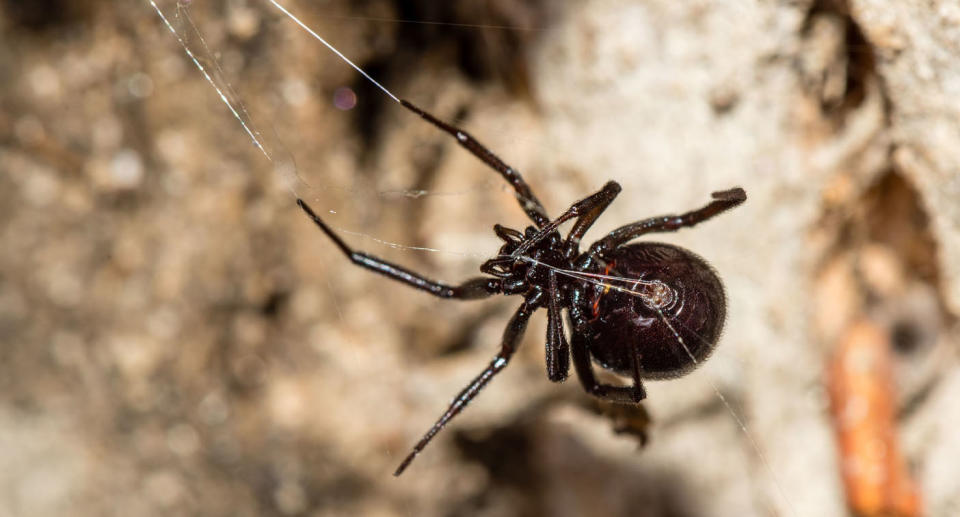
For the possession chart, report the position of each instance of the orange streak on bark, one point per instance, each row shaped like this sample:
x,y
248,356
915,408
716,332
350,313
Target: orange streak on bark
x,y
862,398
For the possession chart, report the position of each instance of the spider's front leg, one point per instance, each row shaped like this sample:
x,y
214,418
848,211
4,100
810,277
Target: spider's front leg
x,y
472,289
528,202
586,211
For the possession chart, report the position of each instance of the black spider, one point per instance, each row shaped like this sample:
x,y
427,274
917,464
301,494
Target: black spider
x,y
645,310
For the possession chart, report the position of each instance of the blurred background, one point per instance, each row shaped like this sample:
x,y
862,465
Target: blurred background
x,y
176,338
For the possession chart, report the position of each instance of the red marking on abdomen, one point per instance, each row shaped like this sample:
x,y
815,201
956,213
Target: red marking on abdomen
x,y
606,288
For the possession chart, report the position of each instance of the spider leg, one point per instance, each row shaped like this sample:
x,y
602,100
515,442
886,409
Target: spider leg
x,y
528,202
722,201
511,338
472,289
588,209
589,216
620,394
558,351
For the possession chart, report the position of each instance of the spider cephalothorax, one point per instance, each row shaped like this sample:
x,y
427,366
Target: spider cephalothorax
x,y
525,260
644,310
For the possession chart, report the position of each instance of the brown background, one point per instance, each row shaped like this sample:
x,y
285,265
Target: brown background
x,y
176,338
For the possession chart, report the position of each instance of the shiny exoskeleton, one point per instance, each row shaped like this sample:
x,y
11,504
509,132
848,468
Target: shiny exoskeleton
x,y
664,323
643,310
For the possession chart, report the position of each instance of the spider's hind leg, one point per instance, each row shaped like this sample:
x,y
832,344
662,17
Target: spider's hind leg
x,y
619,394
580,352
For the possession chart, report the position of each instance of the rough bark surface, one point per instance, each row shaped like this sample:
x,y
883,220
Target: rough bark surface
x,y
177,338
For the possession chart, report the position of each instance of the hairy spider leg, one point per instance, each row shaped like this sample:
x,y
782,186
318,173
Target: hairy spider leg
x,y
557,348
511,339
723,200
472,289
528,202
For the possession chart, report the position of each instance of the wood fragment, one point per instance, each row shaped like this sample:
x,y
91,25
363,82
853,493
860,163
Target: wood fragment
x,y
875,477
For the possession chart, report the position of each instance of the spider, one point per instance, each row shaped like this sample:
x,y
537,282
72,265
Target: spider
x,y
644,310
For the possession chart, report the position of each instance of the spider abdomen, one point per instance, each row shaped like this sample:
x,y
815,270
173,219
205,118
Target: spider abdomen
x,y
660,307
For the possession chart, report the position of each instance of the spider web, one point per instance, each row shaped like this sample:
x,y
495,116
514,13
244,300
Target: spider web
x,y
176,16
